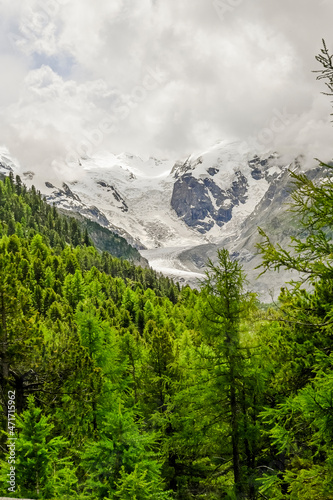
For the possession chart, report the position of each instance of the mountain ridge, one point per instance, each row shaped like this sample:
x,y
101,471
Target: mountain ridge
x,y
178,213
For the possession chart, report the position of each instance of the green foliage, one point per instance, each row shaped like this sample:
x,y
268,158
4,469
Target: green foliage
x,y
71,337
106,241
298,420
41,471
120,463
128,387
326,73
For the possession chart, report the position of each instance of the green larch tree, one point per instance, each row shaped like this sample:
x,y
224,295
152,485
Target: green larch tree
x,y
224,306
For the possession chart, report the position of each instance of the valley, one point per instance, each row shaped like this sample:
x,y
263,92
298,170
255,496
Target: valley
x,y
178,213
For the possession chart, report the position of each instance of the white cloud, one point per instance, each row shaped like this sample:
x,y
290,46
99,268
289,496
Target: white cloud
x,y
71,68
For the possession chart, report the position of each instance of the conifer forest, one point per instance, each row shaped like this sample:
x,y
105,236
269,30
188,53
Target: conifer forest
x,y
128,386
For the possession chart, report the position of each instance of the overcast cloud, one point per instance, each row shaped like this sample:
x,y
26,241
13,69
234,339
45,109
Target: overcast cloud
x,y
161,77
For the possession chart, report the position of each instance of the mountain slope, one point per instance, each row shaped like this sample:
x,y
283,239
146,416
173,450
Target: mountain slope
x,y
32,214
178,213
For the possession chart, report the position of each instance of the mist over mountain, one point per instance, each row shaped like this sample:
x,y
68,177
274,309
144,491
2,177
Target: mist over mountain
x,y
177,214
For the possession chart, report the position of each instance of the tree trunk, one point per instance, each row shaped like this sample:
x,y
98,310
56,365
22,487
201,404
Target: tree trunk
x,y
250,455
234,433
4,357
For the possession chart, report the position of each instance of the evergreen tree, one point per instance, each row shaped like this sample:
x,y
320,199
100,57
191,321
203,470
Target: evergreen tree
x,y
41,471
224,306
121,464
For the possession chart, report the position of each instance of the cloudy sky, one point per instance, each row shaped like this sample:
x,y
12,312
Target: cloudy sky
x,y
161,77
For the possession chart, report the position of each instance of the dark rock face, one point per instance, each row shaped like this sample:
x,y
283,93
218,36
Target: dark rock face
x,y
256,171
212,171
257,174
64,192
93,213
259,167
239,188
69,193
28,175
6,169
60,193
180,168
191,202
201,203
116,195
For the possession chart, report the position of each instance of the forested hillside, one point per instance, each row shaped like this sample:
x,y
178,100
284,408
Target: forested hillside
x,y
117,384
127,387
27,211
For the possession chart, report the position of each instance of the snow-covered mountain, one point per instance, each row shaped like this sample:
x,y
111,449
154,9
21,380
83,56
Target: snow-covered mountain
x,y
175,213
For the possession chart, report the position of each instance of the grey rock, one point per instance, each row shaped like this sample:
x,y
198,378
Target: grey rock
x,y
93,213
115,193
192,200
69,193
212,171
28,175
5,167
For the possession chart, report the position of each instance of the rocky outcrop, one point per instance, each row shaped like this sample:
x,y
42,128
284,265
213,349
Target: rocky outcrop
x,y
201,203
28,175
260,167
207,189
123,206
4,170
69,193
64,192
